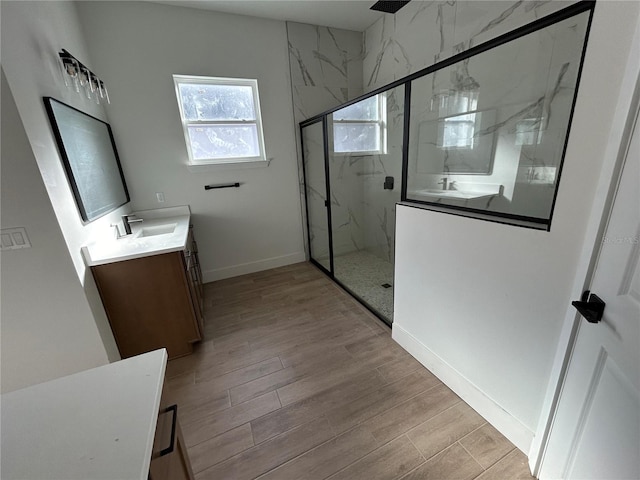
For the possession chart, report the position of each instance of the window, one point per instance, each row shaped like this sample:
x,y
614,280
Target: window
x,y
457,124
221,119
361,127
458,131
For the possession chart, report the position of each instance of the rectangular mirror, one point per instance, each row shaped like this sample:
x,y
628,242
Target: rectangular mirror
x,y
90,160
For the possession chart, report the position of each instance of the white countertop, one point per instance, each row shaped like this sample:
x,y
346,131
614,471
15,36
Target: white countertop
x,y
109,249
462,191
97,424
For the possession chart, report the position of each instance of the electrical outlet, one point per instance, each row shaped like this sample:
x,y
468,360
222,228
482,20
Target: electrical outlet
x,y
160,197
13,238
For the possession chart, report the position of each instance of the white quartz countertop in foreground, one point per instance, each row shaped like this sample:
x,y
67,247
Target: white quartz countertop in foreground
x,y
94,425
142,242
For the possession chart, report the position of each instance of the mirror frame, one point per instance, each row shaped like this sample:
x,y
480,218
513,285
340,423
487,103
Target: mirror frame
x,y
72,161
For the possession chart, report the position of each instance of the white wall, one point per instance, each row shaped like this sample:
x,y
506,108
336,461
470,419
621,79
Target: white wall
x,y
47,326
136,47
32,35
483,303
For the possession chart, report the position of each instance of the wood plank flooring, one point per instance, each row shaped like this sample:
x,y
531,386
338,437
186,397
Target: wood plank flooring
x,y
296,380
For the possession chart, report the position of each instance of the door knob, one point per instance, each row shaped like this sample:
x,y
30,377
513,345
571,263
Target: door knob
x,y
590,306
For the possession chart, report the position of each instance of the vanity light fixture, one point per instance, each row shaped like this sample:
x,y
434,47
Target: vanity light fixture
x,y
81,79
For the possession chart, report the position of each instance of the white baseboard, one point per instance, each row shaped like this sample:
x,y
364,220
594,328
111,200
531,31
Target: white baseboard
x,y
251,267
502,420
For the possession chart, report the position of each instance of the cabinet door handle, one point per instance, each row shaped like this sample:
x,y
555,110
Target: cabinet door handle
x,y
169,449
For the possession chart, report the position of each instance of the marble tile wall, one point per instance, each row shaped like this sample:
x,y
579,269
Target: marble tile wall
x,y
362,210
531,79
326,71
331,66
379,204
425,32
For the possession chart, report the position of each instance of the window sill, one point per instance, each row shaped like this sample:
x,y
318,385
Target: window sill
x,y
217,167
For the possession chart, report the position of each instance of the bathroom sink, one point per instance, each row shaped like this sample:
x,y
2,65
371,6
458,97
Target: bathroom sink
x,y
161,230
450,194
467,192
444,193
154,230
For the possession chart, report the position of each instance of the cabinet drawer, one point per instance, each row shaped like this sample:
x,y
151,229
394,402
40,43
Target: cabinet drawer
x,y
169,459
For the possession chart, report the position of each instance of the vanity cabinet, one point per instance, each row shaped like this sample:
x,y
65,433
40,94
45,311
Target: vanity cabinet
x,y
194,277
115,421
154,301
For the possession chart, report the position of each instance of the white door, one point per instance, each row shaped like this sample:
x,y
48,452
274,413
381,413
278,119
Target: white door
x,y
596,430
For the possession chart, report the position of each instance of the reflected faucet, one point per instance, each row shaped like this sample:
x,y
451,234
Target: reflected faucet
x,y
127,221
443,182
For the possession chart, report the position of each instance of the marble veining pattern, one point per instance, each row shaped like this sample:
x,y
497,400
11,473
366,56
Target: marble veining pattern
x,y
326,70
526,83
425,32
329,67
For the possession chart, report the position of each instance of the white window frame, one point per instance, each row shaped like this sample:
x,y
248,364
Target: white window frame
x,y
184,79
381,121
452,122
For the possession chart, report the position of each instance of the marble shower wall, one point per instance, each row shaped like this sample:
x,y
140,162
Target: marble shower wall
x,y
362,210
325,66
326,71
426,32
329,67
525,86
380,204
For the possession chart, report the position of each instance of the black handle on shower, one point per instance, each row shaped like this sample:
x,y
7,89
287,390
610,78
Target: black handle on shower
x,y
388,183
226,185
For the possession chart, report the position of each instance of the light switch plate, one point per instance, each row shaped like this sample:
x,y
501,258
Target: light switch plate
x,y
14,238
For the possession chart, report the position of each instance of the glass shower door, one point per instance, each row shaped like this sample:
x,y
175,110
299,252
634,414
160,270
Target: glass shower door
x,y
365,168
316,193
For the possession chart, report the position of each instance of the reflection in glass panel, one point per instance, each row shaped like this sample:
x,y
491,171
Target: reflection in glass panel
x,y
316,188
457,131
488,133
362,209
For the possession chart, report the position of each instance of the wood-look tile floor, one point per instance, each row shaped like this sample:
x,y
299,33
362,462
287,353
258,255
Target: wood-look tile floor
x,y
296,380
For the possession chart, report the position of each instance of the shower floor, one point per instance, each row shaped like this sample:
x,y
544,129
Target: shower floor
x,y
364,274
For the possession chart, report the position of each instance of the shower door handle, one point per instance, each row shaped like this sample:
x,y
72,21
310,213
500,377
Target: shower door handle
x,y
326,203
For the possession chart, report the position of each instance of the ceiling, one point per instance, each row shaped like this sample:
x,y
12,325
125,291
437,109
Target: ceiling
x,y
346,14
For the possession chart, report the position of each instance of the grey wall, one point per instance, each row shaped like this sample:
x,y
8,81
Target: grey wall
x,y
32,35
138,46
47,326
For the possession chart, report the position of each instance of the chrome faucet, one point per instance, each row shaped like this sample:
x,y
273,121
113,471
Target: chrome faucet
x,y
127,221
443,182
